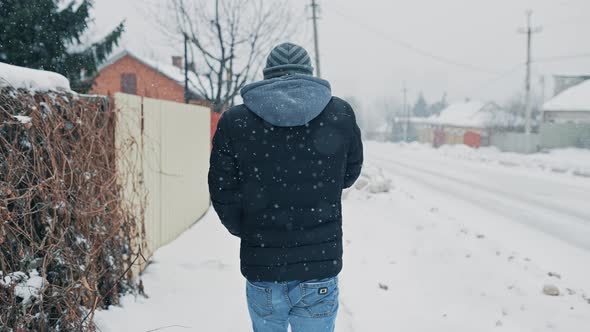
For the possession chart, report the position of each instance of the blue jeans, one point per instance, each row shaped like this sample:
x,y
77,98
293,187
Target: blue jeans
x,y
309,306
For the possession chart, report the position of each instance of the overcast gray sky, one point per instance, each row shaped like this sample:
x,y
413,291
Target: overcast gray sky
x,y
370,47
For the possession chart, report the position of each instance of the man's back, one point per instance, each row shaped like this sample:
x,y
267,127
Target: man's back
x,y
290,185
278,166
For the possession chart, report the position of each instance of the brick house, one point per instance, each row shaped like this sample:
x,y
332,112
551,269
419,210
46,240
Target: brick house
x,y
128,73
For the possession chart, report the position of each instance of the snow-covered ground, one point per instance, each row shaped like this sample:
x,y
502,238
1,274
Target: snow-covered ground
x,y
456,244
568,160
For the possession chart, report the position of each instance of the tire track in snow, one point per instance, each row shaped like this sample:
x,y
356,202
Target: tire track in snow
x,y
571,226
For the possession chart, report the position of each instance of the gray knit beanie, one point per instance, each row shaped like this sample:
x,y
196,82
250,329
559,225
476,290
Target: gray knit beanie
x,y
287,59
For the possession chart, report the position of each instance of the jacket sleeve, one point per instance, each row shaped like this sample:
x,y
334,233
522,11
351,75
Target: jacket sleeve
x,y
354,156
224,186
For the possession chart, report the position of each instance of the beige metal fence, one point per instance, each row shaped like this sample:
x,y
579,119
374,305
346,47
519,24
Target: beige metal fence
x,y
164,167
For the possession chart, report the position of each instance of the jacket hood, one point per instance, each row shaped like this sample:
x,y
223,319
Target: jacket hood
x,y
288,101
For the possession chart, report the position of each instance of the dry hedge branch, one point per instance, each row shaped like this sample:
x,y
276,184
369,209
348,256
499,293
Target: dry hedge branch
x,y
66,242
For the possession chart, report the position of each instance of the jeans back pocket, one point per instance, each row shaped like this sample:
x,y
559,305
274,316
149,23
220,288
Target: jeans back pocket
x,y
319,298
259,299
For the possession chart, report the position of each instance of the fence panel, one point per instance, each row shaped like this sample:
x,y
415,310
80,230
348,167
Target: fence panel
x,y
152,166
172,163
516,142
185,163
130,164
561,135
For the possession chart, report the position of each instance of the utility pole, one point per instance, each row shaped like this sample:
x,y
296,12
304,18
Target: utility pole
x,y
315,18
543,88
186,92
529,31
406,112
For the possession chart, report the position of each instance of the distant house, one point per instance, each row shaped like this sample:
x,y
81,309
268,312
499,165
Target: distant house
x,y
377,133
468,122
129,73
570,106
566,118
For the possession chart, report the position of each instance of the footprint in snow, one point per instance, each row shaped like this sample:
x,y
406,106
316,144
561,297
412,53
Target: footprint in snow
x,y
213,264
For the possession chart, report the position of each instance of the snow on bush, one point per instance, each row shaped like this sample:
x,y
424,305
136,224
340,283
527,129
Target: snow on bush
x,y
26,78
27,287
23,119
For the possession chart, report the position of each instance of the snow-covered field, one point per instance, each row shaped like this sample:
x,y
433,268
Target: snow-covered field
x,y
456,244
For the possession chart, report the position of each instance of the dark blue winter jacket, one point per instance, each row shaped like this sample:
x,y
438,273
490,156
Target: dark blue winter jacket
x,y
278,166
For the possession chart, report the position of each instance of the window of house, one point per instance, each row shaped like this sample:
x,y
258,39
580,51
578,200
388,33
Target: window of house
x,y
129,83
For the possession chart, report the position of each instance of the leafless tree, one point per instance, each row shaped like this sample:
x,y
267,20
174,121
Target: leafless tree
x,y
228,42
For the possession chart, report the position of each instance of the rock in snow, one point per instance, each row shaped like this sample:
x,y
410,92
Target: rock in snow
x,y
551,290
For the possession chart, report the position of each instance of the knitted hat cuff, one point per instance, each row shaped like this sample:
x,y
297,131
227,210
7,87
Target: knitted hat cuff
x,y
277,71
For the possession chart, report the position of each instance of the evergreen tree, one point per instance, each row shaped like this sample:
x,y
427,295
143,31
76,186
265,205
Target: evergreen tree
x,y
46,34
440,105
421,107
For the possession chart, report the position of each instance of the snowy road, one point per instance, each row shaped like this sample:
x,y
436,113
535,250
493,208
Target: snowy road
x,y
556,204
456,245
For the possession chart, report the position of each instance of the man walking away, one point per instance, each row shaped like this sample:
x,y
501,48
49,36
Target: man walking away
x,y
277,170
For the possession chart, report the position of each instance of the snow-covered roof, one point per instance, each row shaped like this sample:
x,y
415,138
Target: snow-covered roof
x,y
172,72
474,114
20,77
574,99
571,74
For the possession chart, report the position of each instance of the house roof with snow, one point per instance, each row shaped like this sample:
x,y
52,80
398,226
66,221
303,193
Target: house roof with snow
x,y
474,114
574,99
172,72
584,75
27,78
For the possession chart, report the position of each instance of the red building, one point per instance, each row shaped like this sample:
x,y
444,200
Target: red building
x,y
129,73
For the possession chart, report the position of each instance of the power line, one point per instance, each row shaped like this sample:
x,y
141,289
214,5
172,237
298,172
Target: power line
x,y
413,48
519,67
577,19
562,57
500,77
